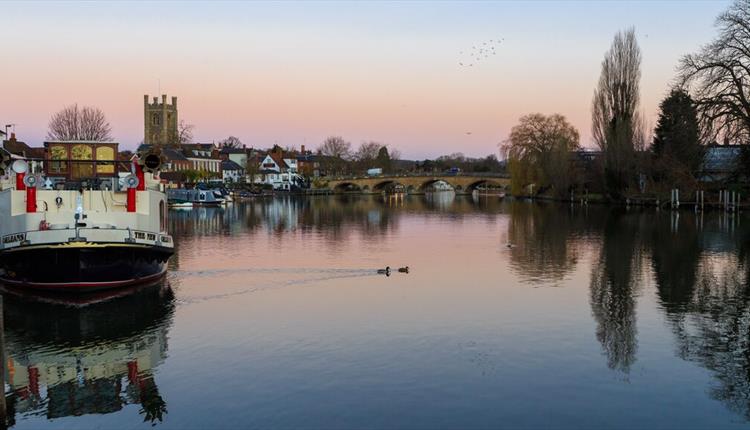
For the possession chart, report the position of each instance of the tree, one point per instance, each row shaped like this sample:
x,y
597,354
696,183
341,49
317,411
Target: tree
x,y
252,168
366,153
230,142
427,165
616,124
677,137
336,152
184,133
718,76
538,152
336,146
72,123
383,159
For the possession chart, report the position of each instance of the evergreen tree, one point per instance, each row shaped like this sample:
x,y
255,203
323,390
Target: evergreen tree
x,y
383,159
676,138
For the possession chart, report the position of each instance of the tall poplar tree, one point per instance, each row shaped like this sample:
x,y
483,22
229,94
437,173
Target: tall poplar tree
x,y
615,118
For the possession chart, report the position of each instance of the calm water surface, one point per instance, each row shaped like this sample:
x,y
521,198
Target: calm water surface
x,y
273,315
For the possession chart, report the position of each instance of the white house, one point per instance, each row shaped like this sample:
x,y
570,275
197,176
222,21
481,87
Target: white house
x,y
231,171
291,164
276,171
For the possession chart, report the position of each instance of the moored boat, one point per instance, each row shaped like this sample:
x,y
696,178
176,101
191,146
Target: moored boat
x,y
195,197
84,230
181,205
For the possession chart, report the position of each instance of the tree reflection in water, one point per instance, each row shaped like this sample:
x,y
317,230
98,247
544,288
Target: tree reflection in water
x,y
700,270
546,240
615,279
708,306
67,359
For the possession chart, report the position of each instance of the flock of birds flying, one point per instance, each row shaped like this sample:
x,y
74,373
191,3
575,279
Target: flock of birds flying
x,y
479,53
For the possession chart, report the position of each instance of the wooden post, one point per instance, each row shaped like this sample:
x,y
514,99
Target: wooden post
x,y
697,199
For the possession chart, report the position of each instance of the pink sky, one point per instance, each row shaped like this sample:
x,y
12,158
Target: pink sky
x,y
294,73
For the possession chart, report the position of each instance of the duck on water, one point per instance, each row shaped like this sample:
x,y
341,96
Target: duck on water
x,y
96,224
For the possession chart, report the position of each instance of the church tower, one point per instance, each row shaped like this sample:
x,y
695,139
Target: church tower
x,y
160,121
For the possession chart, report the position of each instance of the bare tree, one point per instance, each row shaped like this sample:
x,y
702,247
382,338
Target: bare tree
x,y
336,153
72,123
230,142
718,77
184,133
538,150
367,152
616,123
336,146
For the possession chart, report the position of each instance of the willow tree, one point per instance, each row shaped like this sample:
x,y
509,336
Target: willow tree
x,y
538,152
718,77
616,124
74,123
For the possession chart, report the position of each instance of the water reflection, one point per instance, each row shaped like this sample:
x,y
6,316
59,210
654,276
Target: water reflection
x,y
332,216
707,302
546,240
64,360
699,265
615,280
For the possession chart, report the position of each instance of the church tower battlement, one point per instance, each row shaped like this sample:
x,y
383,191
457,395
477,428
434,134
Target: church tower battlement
x,y
160,121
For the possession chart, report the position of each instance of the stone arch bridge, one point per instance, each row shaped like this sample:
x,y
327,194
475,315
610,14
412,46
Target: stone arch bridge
x,y
415,184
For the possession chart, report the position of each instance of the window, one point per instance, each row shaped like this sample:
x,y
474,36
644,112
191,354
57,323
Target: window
x,y
155,120
105,153
81,153
58,152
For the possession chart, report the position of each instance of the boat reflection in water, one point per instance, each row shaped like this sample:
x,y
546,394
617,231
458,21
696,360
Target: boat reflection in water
x,y
93,356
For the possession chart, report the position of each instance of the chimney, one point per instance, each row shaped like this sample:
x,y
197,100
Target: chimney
x,y
13,137
303,150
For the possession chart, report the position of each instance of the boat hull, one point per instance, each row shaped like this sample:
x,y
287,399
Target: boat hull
x,y
82,267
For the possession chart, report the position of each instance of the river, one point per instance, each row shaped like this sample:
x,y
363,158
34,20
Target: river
x,y
512,315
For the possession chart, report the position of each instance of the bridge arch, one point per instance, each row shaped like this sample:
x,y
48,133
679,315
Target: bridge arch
x,y
423,186
474,185
385,184
345,186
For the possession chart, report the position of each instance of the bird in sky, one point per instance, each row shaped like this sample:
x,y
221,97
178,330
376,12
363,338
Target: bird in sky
x,y
479,53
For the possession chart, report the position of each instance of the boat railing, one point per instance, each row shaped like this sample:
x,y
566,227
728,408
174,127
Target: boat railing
x,y
77,168
126,235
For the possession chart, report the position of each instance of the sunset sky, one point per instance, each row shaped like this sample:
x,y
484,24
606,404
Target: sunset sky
x,y
294,73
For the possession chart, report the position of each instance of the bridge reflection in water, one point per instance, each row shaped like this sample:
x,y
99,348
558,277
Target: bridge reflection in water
x,y
417,184
71,360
